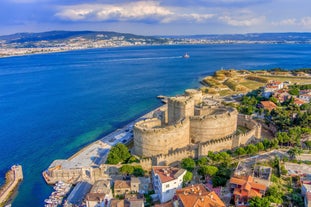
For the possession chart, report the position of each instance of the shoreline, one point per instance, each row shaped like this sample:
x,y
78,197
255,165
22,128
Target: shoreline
x,y
95,153
36,51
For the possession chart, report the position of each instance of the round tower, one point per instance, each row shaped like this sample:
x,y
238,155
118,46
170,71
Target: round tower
x,y
151,139
218,122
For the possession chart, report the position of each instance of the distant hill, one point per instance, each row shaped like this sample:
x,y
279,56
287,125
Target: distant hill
x,y
269,37
33,39
67,40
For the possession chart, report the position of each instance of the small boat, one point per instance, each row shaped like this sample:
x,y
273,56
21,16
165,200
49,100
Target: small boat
x,y
186,55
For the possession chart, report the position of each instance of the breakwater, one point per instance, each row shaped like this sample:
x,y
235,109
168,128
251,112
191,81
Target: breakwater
x,y
13,177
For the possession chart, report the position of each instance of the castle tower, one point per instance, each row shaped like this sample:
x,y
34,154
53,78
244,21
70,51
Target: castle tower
x,y
218,122
179,107
196,95
150,138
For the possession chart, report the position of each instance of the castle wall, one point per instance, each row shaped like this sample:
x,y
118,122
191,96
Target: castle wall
x,y
163,160
255,127
220,123
150,139
179,108
202,149
215,146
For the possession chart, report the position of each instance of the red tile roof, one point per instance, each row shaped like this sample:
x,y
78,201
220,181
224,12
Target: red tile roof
x,y
247,187
166,173
198,196
269,105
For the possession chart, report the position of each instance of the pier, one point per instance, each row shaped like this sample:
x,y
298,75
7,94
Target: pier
x,y
13,177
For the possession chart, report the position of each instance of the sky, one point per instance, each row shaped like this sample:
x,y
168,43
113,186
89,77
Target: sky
x,y
156,17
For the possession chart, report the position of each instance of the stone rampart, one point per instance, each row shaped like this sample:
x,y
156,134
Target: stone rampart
x,y
219,122
151,139
163,160
215,145
248,122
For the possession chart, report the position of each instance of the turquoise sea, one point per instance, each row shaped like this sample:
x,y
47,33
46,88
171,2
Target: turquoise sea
x,y
51,105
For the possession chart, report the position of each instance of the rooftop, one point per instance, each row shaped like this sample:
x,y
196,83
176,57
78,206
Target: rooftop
x,y
269,105
166,173
197,196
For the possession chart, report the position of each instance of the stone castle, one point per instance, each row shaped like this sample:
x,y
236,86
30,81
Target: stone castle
x,y
190,126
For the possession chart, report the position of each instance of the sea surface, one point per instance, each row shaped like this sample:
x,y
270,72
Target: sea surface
x,y
51,105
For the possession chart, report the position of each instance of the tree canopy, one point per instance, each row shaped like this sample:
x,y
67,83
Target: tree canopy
x,y
118,153
188,164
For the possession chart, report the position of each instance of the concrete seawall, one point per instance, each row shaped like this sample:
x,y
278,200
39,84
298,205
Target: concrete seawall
x,y
14,177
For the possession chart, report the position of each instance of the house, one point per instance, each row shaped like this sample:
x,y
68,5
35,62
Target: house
x,y
122,187
99,194
282,95
298,101
166,180
197,196
245,188
267,105
126,203
272,87
140,184
306,97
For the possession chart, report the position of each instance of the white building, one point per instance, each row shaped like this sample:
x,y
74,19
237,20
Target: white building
x,y
271,87
166,180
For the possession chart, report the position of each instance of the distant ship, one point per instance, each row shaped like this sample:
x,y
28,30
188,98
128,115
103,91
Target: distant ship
x,y
186,55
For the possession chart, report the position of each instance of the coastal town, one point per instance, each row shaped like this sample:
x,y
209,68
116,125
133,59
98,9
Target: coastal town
x,y
220,145
60,41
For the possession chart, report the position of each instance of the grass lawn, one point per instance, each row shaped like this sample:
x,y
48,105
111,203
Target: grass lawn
x,y
252,85
292,79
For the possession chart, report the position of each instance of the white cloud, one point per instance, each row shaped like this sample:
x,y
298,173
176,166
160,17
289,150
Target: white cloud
x,y
303,22
136,11
306,22
242,21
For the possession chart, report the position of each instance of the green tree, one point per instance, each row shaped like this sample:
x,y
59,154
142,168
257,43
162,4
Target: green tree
x,y
209,170
118,153
260,146
251,149
259,202
266,143
240,151
202,161
187,177
188,164
138,171
293,152
127,169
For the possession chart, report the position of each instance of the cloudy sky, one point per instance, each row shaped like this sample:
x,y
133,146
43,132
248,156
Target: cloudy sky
x,y
156,17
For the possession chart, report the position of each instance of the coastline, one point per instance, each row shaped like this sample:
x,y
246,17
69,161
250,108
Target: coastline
x,y
95,153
